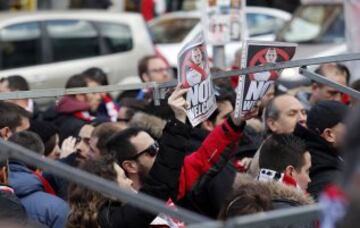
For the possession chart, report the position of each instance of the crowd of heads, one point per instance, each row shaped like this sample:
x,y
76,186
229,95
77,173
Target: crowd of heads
x,y
278,158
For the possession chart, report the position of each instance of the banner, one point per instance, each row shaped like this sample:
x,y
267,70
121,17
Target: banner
x,y
253,87
194,73
223,21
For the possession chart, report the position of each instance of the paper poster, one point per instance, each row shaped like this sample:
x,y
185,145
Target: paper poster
x,y
222,21
194,73
253,87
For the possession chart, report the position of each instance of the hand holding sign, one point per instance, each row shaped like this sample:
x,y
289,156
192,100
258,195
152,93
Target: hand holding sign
x,y
194,74
254,86
246,116
178,103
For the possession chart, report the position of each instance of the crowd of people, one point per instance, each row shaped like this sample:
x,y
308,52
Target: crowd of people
x,y
286,152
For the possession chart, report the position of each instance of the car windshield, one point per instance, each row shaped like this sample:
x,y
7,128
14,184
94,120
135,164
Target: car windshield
x,y
315,23
172,30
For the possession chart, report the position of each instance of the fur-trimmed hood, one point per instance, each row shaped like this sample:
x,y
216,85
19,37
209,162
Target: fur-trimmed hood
x,y
280,191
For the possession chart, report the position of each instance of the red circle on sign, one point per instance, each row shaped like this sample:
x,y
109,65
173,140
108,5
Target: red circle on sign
x,y
259,59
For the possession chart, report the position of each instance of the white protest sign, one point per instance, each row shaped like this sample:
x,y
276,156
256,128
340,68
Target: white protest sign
x,y
194,73
223,21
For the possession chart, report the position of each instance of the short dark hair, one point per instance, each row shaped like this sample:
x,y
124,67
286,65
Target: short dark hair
x,y
119,145
104,132
11,115
48,133
249,198
76,81
282,150
16,83
144,64
96,74
356,85
29,140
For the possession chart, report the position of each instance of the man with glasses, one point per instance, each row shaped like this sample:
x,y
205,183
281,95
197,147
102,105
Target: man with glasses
x,y
138,150
152,68
135,150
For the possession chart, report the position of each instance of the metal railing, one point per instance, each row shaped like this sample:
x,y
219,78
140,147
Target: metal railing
x,y
151,204
160,88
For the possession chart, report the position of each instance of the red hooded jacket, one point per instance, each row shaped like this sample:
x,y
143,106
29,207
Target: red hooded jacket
x,y
200,161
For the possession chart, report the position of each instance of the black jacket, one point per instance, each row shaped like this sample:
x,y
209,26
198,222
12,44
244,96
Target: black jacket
x,y
162,182
325,161
11,209
68,125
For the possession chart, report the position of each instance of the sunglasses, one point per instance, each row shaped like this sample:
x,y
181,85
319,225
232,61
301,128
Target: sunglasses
x,y
152,150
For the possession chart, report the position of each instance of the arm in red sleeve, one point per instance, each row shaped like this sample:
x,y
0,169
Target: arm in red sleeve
x,y
200,161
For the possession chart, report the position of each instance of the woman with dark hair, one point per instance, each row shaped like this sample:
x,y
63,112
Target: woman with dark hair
x,y
49,135
85,203
249,198
108,108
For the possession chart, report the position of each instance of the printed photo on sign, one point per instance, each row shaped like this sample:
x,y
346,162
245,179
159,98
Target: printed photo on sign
x,y
194,67
254,86
194,73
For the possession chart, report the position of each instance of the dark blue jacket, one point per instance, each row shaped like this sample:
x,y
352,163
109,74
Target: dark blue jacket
x,y
40,206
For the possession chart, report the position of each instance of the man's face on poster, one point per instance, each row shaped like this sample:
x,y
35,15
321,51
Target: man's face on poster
x,y
196,56
271,55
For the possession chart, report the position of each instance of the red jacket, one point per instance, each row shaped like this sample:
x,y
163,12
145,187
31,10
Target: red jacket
x,y
200,161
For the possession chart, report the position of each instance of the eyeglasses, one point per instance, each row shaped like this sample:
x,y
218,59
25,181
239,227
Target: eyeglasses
x,y
159,70
152,150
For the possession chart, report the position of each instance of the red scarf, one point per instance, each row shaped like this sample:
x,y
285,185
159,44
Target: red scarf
x,y
46,185
84,115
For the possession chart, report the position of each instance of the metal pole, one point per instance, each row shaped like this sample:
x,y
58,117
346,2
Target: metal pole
x,y
323,80
219,56
98,184
288,64
207,225
284,217
56,92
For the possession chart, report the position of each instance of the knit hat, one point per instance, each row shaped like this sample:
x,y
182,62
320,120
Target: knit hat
x,y
44,129
326,114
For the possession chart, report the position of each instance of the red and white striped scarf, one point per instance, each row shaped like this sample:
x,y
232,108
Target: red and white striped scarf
x,y
111,108
267,175
84,115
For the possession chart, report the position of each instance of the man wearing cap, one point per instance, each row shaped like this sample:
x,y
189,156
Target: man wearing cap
x,y
323,139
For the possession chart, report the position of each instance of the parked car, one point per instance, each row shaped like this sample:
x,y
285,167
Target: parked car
x,y
171,31
319,29
48,47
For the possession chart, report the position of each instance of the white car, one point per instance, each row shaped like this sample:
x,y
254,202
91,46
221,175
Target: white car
x,y
319,29
171,31
49,47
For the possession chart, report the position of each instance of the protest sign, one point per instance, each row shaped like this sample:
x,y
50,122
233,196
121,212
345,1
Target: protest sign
x,y
194,73
253,87
223,21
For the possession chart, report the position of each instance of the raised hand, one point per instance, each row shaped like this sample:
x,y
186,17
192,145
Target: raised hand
x,y
178,103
